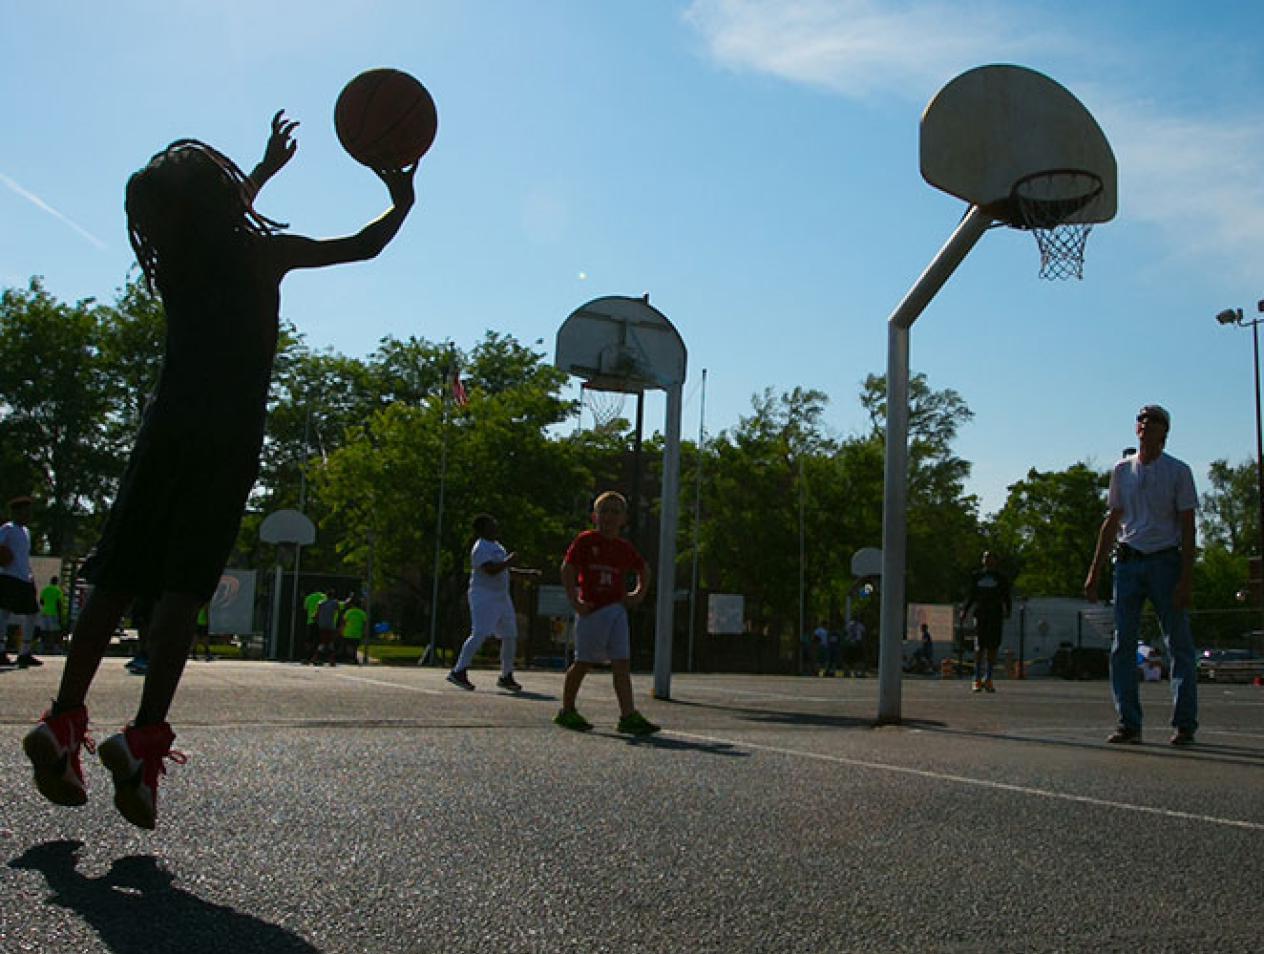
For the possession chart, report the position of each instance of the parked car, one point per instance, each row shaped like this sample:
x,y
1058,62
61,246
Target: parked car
x,y
1214,664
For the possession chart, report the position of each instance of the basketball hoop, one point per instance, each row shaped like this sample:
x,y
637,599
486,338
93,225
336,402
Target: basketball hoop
x,y
1042,203
606,407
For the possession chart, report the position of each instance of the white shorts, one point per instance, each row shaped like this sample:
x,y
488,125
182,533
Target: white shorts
x,y
493,616
602,635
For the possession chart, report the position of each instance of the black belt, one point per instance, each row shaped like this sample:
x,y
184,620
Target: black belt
x,y
1126,554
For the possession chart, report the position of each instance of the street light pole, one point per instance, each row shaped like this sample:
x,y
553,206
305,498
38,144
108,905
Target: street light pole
x,y
1234,316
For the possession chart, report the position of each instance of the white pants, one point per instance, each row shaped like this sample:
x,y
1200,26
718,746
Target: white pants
x,y
490,616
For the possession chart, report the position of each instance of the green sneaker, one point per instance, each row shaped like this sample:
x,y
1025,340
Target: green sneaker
x,y
571,719
636,724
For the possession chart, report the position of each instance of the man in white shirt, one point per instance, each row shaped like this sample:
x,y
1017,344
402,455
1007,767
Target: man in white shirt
x,y
18,603
1152,501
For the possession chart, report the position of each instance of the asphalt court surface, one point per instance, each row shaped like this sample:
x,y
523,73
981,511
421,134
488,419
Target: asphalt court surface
x,y
366,809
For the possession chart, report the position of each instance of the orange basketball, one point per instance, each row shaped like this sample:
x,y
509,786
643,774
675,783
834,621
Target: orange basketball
x,y
385,119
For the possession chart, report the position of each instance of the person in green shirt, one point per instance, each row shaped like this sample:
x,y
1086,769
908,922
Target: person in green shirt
x,y
355,621
202,633
311,604
52,612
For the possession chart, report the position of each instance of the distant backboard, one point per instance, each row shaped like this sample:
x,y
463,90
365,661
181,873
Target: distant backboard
x,y
995,125
867,561
287,526
621,344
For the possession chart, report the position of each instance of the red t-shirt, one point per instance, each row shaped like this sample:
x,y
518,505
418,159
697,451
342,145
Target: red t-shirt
x,y
603,564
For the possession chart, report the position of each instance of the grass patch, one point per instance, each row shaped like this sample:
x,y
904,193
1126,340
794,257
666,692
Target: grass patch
x,y
400,654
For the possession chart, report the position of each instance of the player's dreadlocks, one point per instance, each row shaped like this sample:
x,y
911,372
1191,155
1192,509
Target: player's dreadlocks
x,y
186,185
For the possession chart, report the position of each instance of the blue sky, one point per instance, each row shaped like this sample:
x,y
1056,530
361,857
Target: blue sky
x,y
752,165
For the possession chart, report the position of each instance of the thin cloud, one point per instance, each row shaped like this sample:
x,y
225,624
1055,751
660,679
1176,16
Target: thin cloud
x,y
1198,181
41,204
862,48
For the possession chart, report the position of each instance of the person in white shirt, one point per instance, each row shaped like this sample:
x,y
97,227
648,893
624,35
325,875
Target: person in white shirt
x,y
18,603
1152,501
491,608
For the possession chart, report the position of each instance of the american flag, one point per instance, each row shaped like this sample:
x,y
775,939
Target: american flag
x,y
458,390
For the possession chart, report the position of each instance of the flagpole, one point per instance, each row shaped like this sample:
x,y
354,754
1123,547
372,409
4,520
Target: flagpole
x,y
438,550
697,515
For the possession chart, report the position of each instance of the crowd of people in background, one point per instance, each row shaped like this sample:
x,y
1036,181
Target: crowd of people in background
x,y
335,629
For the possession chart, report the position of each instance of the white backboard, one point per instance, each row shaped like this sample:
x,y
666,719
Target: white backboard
x,y
621,344
993,125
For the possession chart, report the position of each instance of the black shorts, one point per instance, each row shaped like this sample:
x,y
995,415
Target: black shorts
x,y
17,596
179,507
987,633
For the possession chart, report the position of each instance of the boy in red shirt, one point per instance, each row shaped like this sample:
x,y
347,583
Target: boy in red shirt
x,y
595,572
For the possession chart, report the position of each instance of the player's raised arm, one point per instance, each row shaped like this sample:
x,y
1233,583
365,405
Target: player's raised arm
x,y
297,251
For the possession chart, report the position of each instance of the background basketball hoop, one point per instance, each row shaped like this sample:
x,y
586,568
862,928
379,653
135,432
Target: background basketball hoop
x,y
606,407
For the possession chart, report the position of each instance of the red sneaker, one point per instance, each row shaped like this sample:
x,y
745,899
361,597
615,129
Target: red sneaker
x,y
53,748
135,759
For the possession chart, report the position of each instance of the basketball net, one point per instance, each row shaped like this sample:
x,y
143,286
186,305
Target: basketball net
x,y
606,407
1042,203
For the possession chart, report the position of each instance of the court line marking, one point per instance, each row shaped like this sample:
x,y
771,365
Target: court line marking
x,y
979,782
394,685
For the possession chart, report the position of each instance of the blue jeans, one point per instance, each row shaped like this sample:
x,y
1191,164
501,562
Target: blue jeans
x,y
1153,578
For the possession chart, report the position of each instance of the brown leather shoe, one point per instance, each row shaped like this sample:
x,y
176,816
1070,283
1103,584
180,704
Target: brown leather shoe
x,y
1125,736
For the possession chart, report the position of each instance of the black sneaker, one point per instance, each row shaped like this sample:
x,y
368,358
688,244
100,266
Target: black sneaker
x,y
26,661
1182,737
508,682
5,660
1124,736
458,678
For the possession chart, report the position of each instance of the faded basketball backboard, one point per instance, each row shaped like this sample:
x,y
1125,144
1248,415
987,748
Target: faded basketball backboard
x,y
993,126
867,561
287,526
621,344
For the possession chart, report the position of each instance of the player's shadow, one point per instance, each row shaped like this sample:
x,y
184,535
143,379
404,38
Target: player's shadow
x,y
137,908
672,743
1153,748
528,694
807,719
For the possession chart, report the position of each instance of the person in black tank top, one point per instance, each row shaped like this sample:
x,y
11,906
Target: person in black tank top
x,y
218,266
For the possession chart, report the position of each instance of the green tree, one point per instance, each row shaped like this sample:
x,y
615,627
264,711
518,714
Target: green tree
x,y
944,539
1048,527
380,487
756,477
55,397
1230,511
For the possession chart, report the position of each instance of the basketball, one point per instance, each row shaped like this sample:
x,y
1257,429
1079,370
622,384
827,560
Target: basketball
x,y
385,119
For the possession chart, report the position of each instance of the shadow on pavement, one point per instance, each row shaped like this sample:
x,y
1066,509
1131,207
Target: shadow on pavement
x,y
1158,748
686,745
775,717
528,694
136,908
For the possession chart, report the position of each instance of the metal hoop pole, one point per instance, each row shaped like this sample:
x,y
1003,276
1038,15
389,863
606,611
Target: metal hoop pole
x,y
895,491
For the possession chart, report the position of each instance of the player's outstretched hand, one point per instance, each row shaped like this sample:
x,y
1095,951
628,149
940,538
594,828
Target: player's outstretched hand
x,y
281,143
399,182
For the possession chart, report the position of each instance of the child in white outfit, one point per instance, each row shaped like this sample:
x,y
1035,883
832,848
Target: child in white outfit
x,y
491,608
